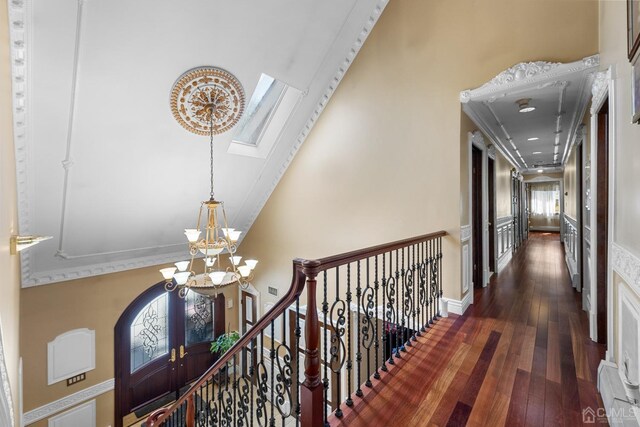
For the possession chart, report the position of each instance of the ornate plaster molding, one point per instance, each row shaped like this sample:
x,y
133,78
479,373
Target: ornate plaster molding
x,y
491,151
194,92
465,233
526,73
522,71
627,265
67,402
477,138
17,13
599,89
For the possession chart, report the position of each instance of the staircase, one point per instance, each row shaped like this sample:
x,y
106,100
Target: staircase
x,y
346,322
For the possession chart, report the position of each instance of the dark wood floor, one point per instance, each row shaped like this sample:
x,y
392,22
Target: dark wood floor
x,y
521,355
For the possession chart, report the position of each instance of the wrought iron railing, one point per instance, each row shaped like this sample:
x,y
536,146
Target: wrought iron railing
x,y
362,309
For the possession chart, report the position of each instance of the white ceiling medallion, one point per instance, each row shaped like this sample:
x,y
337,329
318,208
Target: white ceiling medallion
x,y
196,90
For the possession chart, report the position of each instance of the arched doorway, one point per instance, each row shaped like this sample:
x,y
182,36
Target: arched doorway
x,y
162,344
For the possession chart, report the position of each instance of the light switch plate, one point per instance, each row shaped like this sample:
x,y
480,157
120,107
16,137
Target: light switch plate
x,y
229,303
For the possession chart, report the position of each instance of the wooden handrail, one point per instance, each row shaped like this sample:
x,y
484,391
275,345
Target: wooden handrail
x,y
316,266
304,273
297,285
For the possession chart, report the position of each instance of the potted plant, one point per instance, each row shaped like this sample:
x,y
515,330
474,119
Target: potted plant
x,y
224,342
221,345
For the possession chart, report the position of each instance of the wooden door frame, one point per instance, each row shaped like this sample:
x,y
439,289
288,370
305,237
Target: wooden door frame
x,y
475,139
491,209
603,90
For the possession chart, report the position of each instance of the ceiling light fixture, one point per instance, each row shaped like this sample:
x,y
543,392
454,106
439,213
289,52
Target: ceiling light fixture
x,y
537,152
523,105
535,138
18,243
211,101
540,171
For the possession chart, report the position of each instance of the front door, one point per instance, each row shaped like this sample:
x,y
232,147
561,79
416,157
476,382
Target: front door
x,y
161,344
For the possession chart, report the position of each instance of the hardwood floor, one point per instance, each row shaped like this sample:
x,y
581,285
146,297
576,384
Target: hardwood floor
x,y
521,355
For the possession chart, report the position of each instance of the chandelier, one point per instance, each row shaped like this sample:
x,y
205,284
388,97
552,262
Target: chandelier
x,y
208,101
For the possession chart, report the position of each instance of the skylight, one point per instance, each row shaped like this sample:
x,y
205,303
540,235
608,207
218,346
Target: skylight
x,y
263,104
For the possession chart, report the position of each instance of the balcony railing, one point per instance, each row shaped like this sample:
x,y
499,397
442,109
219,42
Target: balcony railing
x,y
360,311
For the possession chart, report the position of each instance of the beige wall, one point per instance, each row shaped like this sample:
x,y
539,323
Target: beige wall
x,y
613,47
94,303
364,151
503,186
570,185
9,285
466,127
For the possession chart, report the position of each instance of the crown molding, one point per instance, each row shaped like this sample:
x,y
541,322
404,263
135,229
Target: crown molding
x,y
45,411
20,17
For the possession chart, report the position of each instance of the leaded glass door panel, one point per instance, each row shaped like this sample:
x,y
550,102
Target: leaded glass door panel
x,y
161,345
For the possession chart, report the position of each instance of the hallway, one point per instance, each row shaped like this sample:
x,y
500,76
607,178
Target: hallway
x,y
520,355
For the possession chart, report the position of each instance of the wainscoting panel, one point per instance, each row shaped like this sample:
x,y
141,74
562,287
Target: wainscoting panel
x,y
571,248
80,416
465,240
504,227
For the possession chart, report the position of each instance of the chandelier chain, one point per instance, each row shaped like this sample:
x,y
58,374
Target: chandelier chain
x,y
211,151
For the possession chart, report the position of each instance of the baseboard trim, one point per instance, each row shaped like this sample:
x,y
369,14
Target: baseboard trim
x,y
573,270
45,411
504,260
458,306
617,410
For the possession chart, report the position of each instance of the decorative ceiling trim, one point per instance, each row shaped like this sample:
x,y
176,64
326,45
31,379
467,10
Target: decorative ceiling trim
x,y
599,89
521,78
525,73
19,35
17,13
194,92
324,99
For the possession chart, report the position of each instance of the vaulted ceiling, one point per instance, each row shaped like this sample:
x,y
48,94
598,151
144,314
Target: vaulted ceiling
x,y
541,139
103,166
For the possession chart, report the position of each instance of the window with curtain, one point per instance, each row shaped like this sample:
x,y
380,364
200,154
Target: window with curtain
x,y
545,199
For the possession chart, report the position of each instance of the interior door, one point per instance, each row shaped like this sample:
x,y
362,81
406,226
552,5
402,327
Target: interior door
x,y
476,216
602,219
492,214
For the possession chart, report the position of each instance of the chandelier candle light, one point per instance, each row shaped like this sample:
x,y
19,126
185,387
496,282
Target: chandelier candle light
x,y
209,98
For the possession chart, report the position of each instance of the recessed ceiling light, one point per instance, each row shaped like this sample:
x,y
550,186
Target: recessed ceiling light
x,y
535,138
523,105
540,170
537,152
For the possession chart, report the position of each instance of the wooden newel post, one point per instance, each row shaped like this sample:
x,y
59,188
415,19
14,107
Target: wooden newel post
x,y
311,391
190,416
